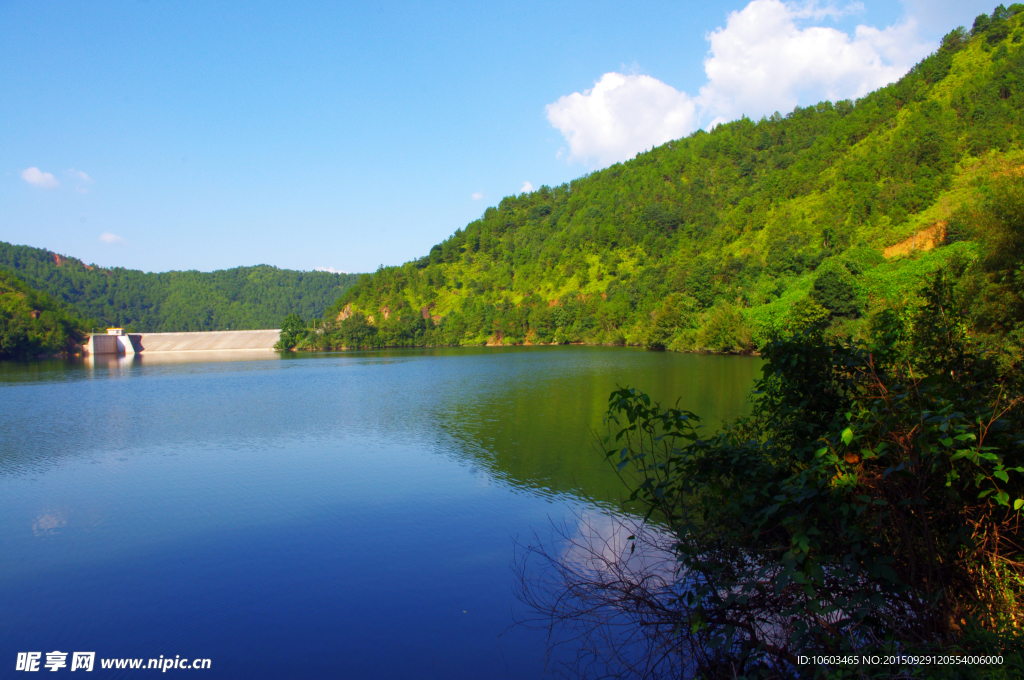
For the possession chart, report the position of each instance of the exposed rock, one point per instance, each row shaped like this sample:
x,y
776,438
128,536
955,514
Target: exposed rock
x,y
926,239
496,339
386,311
345,313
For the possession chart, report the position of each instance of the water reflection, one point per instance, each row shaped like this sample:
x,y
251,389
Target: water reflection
x,y
261,510
539,421
529,416
205,357
114,364
607,544
49,523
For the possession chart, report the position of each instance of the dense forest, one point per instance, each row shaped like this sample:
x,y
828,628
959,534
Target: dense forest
x,y
33,323
714,242
243,298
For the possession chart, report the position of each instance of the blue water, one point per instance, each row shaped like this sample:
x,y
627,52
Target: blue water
x,y
345,515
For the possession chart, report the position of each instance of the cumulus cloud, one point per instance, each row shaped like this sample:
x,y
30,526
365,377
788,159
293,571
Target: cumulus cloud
x,y
107,237
38,178
526,188
770,56
621,115
331,270
763,61
477,195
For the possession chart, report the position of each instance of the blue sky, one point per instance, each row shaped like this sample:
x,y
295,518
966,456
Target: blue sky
x,y
164,135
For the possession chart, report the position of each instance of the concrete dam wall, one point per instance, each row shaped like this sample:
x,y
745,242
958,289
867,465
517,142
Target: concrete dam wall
x,y
207,341
149,343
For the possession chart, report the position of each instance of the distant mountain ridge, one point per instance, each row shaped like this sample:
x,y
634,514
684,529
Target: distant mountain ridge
x,y
243,298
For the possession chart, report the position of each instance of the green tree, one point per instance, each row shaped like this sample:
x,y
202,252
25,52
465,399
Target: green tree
x,y
293,331
835,289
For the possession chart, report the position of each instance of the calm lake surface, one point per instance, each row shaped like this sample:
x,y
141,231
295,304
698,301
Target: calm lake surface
x,y
340,515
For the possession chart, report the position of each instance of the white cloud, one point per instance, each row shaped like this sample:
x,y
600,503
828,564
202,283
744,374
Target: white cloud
x,y
79,175
769,57
331,270
526,188
763,61
477,195
621,115
38,178
107,237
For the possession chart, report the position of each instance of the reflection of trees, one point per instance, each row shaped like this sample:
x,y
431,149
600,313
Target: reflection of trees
x,y
529,416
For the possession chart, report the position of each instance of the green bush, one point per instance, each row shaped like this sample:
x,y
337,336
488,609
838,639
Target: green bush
x,y
836,289
870,504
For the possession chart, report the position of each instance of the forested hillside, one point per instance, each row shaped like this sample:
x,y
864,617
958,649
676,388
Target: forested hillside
x,y
712,242
33,323
240,298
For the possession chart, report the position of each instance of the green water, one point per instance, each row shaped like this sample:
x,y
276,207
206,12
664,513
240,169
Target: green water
x,y
540,425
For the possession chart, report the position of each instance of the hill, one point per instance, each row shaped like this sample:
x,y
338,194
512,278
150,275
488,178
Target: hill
x,y
713,241
242,298
33,323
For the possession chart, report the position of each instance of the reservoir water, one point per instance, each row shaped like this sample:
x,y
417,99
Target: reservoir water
x,y
347,515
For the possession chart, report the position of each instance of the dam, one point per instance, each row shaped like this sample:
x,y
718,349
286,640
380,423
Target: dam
x,y
116,341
